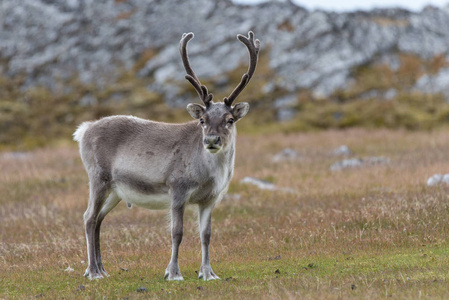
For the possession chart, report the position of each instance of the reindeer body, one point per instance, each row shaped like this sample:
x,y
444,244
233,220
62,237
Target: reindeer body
x,y
163,166
142,162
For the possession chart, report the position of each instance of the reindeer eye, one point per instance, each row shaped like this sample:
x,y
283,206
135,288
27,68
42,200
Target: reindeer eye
x,y
202,121
231,121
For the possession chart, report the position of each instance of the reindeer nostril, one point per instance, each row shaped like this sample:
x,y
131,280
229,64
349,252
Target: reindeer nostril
x,y
212,140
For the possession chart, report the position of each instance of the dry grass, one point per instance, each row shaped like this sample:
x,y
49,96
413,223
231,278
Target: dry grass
x,y
370,232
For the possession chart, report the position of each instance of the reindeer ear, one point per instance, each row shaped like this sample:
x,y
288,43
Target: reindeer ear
x,y
240,110
196,110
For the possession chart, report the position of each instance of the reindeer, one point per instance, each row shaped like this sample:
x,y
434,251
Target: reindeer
x,y
157,165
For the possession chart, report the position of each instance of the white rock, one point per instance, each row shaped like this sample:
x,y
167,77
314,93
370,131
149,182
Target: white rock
x,y
379,160
343,150
358,162
265,185
434,84
69,269
390,94
434,180
445,179
347,163
261,184
286,154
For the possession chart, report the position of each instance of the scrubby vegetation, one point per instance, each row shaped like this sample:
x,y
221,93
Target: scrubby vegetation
x,y
379,97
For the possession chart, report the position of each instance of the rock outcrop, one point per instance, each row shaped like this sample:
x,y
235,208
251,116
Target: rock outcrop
x,y
50,41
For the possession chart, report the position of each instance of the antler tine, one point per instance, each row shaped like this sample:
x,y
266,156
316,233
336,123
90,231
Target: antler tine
x,y
202,91
253,49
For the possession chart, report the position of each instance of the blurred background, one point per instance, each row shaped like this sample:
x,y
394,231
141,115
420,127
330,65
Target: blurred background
x,y
322,65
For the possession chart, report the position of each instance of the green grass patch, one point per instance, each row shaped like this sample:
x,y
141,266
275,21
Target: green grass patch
x,y
350,275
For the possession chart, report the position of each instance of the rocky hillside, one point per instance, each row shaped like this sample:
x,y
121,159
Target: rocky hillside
x,y
52,40
378,54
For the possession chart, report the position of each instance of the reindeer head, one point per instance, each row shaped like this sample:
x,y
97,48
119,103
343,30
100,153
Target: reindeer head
x,y
218,119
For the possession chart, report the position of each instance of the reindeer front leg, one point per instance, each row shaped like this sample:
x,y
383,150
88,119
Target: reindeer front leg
x,y
177,215
204,214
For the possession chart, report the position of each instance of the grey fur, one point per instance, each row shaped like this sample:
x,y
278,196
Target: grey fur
x,y
158,165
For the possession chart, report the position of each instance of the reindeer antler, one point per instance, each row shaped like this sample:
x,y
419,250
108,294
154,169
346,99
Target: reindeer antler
x,y
253,49
202,91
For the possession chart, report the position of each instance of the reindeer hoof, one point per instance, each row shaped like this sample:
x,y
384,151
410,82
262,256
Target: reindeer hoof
x,y
207,274
172,276
92,274
103,271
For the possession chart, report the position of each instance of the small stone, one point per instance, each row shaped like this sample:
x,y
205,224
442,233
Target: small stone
x,y
353,287
277,271
69,269
343,150
358,162
261,184
275,258
434,180
286,154
377,160
80,288
142,290
200,288
445,179
345,164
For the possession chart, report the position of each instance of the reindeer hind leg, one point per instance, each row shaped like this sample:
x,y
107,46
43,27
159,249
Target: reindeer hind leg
x,y
98,191
111,202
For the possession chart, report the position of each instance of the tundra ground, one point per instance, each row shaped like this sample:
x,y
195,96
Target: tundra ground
x,y
371,232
